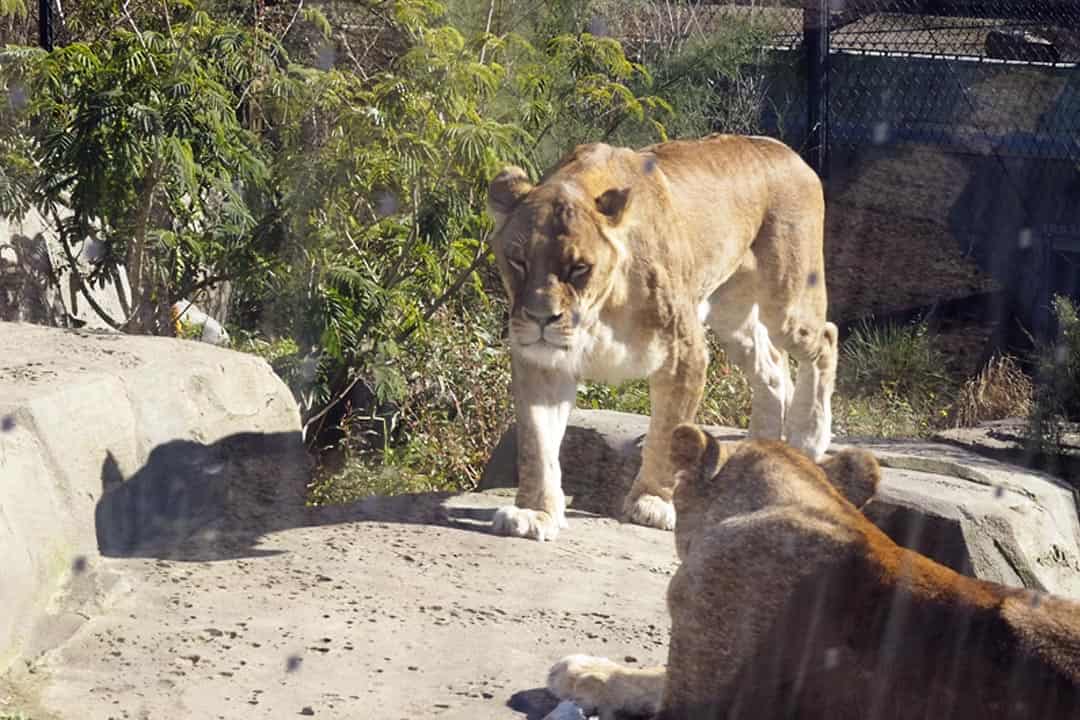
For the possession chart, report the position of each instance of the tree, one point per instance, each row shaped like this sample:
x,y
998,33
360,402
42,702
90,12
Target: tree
x,y
137,142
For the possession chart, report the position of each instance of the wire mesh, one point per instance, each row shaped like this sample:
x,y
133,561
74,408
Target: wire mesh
x,y
984,77
1001,30
974,77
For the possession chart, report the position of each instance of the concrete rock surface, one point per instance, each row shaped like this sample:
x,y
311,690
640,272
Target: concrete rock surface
x,y
400,608
113,445
985,518
208,599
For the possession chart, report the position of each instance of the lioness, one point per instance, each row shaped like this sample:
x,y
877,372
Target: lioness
x,y
612,264
789,603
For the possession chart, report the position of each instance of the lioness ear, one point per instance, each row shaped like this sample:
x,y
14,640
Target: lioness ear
x,y
613,203
688,444
855,473
506,191
694,449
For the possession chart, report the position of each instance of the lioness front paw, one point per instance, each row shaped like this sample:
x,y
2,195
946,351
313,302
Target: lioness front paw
x,y
583,680
652,511
522,522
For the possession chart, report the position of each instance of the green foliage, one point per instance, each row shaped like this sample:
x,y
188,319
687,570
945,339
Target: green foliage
x,y
138,135
885,414
708,79
892,382
726,400
337,179
457,404
901,358
727,396
382,184
13,7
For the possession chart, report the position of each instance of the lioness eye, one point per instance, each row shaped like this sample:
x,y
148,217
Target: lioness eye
x,y
579,270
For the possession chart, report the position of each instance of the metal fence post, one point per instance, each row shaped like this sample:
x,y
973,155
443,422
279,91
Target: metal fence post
x,y
816,43
45,33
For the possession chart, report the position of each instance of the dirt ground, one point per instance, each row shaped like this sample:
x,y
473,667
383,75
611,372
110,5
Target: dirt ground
x,y
400,609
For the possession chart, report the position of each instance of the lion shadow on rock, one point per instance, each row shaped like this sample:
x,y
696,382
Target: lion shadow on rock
x,y
203,502
535,704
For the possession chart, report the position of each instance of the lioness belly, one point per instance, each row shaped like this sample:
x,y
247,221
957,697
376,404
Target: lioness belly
x,y
610,359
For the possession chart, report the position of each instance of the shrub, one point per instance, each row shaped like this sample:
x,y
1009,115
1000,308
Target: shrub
x,y
456,406
884,414
899,358
1001,390
891,382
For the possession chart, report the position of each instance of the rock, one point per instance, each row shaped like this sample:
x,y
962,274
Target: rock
x,y
981,517
115,445
1008,441
192,322
29,291
566,710
37,287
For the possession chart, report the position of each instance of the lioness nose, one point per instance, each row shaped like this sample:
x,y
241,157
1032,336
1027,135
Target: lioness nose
x,y
541,319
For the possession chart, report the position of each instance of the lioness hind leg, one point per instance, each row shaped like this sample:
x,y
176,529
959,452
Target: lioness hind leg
x,y
746,342
809,419
601,686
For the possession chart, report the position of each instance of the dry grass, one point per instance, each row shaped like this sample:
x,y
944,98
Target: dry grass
x,y
999,391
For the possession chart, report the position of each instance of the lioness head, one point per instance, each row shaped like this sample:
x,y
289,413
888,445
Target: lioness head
x,y
750,475
558,259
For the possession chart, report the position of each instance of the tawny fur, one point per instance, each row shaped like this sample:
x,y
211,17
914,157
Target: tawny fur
x,y
614,263
789,603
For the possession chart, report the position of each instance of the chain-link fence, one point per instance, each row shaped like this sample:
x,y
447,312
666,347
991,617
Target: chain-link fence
x,y
993,77
949,132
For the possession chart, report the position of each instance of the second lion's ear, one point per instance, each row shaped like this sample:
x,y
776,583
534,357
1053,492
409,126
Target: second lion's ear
x,y
689,444
612,204
506,192
697,451
855,473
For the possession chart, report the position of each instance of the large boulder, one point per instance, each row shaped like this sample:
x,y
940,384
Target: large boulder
x,y
111,445
979,516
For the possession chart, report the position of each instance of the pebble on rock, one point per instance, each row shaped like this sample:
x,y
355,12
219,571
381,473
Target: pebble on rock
x,y
566,710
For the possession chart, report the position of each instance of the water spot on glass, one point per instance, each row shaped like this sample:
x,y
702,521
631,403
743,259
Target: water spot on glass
x,y
78,565
7,423
650,165
1024,239
832,658
93,250
598,26
999,492
293,663
17,97
327,56
386,203
880,133
812,279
